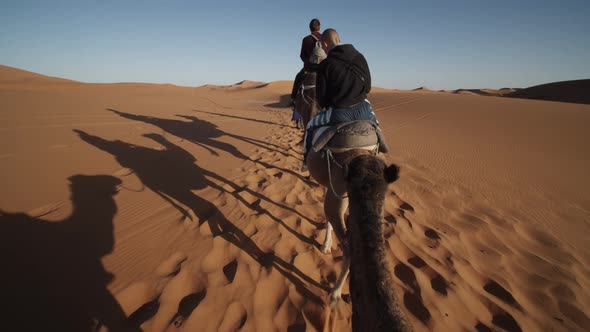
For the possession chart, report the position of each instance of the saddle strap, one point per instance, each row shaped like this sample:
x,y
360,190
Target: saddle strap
x,y
329,157
373,148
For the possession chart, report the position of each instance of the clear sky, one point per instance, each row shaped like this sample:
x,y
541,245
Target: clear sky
x,y
438,44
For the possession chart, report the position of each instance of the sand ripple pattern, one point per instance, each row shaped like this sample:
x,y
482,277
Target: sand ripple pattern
x,y
458,264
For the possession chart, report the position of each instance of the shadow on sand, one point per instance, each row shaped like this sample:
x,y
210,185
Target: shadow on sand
x,y
52,273
206,134
282,103
173,174
242,118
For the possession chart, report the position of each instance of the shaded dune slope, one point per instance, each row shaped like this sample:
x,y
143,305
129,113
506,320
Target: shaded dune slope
x,y
567,91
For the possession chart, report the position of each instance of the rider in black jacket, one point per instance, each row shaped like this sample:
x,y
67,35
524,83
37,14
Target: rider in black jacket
x,y
343,82
343,78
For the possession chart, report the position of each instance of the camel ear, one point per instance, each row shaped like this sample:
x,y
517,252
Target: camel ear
x,y
391,173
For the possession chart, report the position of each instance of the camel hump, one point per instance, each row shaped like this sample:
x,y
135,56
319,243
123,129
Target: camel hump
x,y
359,134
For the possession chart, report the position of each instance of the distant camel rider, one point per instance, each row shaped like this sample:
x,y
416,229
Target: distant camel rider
x,y
342,84
311,54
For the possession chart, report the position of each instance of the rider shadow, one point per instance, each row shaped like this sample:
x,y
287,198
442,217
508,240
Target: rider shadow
x,y
52,272
173,174
197,123
241,118
200,132
204,133
282,103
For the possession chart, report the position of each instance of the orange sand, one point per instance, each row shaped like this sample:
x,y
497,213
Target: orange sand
x,y
216,230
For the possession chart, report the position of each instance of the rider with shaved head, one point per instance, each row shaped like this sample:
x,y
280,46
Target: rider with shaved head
x,y
343,82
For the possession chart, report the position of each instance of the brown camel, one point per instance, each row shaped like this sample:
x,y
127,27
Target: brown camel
x,y
305,102
359,179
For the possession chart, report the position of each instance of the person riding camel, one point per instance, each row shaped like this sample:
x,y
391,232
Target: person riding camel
x,y
310,54
342,84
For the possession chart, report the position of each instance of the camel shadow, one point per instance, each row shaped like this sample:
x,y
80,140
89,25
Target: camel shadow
x,y
173,174
206,134
53,270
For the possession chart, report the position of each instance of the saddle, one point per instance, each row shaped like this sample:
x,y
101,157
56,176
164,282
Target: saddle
x,y
359,134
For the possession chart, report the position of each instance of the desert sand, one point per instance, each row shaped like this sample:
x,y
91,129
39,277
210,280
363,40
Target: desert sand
x,y
183,209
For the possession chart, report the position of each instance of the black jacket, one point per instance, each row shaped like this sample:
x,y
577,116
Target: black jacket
x,y
343,78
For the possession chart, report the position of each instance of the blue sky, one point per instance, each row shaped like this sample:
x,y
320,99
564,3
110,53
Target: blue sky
x,y
438,44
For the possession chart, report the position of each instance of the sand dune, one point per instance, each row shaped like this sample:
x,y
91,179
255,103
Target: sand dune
x,y
422,88
237,86
183,209
481,92
14,75
566,91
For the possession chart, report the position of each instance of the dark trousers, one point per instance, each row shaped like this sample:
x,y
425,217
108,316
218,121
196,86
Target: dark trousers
x,y
297,83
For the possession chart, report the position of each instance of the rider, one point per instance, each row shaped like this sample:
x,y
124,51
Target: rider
x,y
307,50
343,82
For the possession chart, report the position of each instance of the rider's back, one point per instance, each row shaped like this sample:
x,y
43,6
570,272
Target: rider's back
x,y
343,78
307,49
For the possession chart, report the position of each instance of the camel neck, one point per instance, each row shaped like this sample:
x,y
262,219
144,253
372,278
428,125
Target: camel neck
x,y
375,306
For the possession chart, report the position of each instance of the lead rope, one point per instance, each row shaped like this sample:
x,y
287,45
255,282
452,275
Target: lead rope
x,y
305,97
328,157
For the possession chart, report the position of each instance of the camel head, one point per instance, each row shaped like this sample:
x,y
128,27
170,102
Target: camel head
x,y
368,176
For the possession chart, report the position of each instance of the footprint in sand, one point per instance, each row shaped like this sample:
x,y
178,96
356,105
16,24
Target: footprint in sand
x,y
431,234
401,203
412,298
500,292
438,283
417,262
506,321
481,327
390,219
432,240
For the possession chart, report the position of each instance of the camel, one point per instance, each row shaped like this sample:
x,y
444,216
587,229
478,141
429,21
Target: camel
x,y
305,101
358,178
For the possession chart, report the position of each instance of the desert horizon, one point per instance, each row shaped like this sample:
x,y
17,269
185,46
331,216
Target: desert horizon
x,y
572,91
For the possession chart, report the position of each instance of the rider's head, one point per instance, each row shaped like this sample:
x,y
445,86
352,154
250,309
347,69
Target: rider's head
x,y
330,38
314,25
